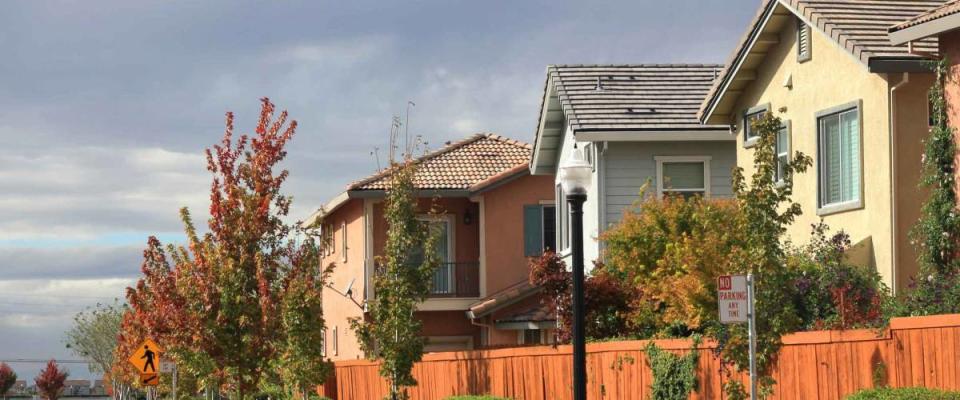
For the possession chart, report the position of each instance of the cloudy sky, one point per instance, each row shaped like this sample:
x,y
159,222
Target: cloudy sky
x,y
106,107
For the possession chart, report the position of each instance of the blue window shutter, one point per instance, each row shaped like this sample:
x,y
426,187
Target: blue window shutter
x,y
532,230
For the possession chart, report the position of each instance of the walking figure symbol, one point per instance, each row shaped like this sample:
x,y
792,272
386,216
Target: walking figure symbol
x,y
148,355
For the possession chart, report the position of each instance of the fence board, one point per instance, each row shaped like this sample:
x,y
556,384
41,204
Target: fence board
x,y
919,351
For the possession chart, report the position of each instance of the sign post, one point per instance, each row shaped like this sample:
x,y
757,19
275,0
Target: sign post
x,y
736,305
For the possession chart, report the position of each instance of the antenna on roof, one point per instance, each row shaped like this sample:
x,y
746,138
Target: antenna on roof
x,y
394,137
406,130
376,154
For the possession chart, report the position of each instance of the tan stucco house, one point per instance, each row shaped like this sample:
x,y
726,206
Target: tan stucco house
x,y
637,125
851,100
494,215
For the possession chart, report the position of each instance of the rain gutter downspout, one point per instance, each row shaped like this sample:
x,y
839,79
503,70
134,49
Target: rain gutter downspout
x,y
893,179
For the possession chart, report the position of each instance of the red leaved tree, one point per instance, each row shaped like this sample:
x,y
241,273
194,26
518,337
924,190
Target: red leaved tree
x,y
215,303
50,381
7,379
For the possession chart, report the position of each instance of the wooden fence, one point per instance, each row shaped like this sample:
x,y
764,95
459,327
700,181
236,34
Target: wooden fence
x,y
821,365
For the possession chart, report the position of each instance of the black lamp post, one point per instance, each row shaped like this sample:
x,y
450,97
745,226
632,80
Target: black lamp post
x,y
575,178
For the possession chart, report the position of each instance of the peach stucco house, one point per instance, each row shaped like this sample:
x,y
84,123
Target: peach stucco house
x,y
494,216
849,99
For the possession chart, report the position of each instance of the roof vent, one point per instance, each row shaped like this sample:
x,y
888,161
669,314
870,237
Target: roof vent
x,y
599,85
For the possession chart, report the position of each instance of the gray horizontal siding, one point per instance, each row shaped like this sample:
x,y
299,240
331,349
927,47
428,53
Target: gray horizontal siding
x,y
629,165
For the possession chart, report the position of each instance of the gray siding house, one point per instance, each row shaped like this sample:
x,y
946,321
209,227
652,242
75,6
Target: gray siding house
x,y
635,124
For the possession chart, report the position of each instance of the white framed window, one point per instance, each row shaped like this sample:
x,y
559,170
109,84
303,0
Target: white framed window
x,y
750,135
530,336
343,242
804,52
323,343
443,281
562,221
782,151
839,168
683,175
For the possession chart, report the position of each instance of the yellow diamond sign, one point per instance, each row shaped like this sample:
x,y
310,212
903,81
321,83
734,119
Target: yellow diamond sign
x,y
147,357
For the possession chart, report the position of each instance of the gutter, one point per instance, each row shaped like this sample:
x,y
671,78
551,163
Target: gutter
x,y
892,110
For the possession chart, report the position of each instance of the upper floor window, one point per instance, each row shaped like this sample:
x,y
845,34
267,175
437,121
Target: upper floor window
x,y
683,175
343,241
782,147
562,221
539,229
750,134
804,52
838,157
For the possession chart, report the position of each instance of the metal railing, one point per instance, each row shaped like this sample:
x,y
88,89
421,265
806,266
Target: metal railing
x,y
456,279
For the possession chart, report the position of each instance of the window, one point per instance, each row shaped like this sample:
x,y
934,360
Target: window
x,y
443,277
336,347
323,343
683,175
751,136
343,241
530,336
562,221
539,229
782,147
803,41
838,148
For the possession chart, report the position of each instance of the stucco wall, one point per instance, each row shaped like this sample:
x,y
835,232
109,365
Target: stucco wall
x,y
832,78
950,48
336,308
503,208
628,166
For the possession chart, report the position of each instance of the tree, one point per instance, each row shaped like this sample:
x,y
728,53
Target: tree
x,y
7,379
767,210
216,303
402,281
94,338
50,381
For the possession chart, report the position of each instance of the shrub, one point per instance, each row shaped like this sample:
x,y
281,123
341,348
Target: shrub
x,y
904,394
674,377
674,248
831,293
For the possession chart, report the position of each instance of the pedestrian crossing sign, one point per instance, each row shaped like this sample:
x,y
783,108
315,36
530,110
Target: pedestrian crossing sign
x,y
147,357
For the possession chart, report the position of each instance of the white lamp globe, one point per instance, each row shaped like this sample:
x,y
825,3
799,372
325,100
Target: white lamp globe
x,y
575,174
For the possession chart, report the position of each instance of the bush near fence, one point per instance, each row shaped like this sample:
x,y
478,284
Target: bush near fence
x,y
818,365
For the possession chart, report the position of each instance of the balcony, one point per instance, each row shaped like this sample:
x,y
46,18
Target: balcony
x,y
456,279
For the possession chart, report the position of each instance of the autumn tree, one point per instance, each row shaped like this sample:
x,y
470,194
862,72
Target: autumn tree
x,y
7,379
51,380
93,337
402,282
216,304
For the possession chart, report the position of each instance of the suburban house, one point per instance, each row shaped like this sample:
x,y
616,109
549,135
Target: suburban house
x,y
637,125
851,100
942,23
494,216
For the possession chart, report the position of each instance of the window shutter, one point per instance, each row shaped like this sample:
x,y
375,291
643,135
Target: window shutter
x,y
803,41
532,230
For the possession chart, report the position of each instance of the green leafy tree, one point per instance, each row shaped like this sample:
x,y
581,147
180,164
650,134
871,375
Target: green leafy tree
x,y
402,281
767,209
937,233
93,337
7,379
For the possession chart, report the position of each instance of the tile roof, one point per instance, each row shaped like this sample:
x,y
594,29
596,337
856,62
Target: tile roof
x,y
632,97
460,165
535,313
860,26
503,298
950,8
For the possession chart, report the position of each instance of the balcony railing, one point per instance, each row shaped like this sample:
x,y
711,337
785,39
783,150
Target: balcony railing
x,y
456,279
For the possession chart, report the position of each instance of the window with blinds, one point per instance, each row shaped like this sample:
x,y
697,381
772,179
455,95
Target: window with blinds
x,y
803,41
839,157
684,176
782,151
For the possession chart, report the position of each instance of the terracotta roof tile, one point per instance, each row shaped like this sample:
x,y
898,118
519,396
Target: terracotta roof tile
x,y
503,298
535,313
460,165
950,8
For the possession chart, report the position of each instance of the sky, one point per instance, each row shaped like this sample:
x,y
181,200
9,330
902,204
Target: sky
x,y
106,108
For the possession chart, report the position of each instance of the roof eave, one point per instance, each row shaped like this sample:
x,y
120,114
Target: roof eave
x,y
536,167
924,30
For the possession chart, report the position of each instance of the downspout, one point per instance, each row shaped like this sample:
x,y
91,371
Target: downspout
x,y
892,111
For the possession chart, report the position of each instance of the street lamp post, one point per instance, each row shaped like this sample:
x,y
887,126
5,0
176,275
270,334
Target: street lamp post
x,y
575,178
